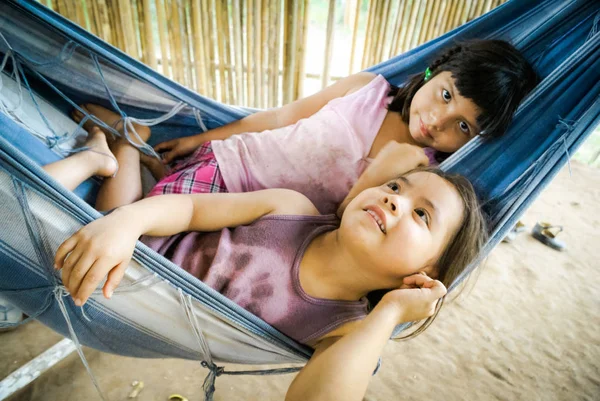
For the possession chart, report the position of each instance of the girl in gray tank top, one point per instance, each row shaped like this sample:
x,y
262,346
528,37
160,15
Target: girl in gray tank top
x,y
313,277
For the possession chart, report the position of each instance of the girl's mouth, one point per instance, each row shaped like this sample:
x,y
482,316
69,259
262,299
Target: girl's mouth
x,y
378,217
424,130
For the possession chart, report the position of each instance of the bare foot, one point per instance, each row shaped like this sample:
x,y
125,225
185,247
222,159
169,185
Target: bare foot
x,y
156,167
100,154
111,119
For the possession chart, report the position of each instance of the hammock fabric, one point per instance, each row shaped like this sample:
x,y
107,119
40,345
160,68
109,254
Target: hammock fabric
x,y
50,65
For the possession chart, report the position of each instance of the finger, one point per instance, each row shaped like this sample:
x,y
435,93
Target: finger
x,y
92,279
417,279
63,250
163,146
114,278
438,289
79,272
70,261
168,157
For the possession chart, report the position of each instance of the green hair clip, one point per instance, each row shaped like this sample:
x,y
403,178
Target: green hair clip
x,y
427,74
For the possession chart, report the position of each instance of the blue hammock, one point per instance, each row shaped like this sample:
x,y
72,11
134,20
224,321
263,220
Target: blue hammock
x,y
50,65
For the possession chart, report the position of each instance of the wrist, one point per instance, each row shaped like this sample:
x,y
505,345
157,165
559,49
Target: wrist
x,y
127,218
391,313
391,310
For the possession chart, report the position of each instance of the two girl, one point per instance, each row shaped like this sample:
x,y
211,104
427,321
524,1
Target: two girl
x,y
305,273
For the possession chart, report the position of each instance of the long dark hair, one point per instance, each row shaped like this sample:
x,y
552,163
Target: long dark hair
x,y
463,248
492,73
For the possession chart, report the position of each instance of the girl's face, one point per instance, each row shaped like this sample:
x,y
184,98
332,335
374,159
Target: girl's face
x,y
402,227
440,117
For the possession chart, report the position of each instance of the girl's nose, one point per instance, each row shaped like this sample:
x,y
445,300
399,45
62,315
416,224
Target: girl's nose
x,y
394,204
437,121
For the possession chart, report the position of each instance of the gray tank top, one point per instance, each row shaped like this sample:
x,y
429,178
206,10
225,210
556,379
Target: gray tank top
x,y
257,267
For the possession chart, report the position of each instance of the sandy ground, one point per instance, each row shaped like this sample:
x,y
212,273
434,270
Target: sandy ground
x,y
526,330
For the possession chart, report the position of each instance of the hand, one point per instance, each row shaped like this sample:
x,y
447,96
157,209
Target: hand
x,y
416,299
399,158
103,247
177,148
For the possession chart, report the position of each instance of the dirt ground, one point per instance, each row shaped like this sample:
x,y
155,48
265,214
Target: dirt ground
x,y
527,329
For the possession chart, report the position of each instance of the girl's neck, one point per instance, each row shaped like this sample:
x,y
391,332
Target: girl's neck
x,y
328,271
393,128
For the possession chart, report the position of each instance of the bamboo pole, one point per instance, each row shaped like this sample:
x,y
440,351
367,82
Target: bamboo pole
x,y
189,46
383,34
440,20
265,52
418,24
228,59
116,25
80,15
250,53
148,47
213,53
272,67
288,29
198,43
459,12
479,9
328,44
367,43
425,22
433,22
354,35
396,33
450,17
220,41
374,32
466,12
95,26
211,81
412,24
238,51
163,39
488,6
406,15
302,39
177,41
258,85
139,33
127,22
278,54
103,20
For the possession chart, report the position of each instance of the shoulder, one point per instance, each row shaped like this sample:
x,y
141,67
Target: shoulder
x,y
359,80
287,201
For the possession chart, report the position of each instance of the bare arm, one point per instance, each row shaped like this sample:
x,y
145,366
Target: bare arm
x,y
268,119
105,246
341,370
393,160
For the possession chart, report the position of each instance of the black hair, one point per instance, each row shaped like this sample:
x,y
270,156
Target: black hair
x,y
492,73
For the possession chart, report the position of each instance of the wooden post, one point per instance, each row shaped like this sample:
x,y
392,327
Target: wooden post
x,y
302,40
238,51
148,45
354,35
367,43
328,44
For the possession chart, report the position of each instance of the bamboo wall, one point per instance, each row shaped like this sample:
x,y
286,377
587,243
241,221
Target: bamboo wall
x,y
252,52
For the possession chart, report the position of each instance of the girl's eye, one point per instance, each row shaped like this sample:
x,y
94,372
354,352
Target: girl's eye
x,y
464,127
394,186
422,215
446,95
